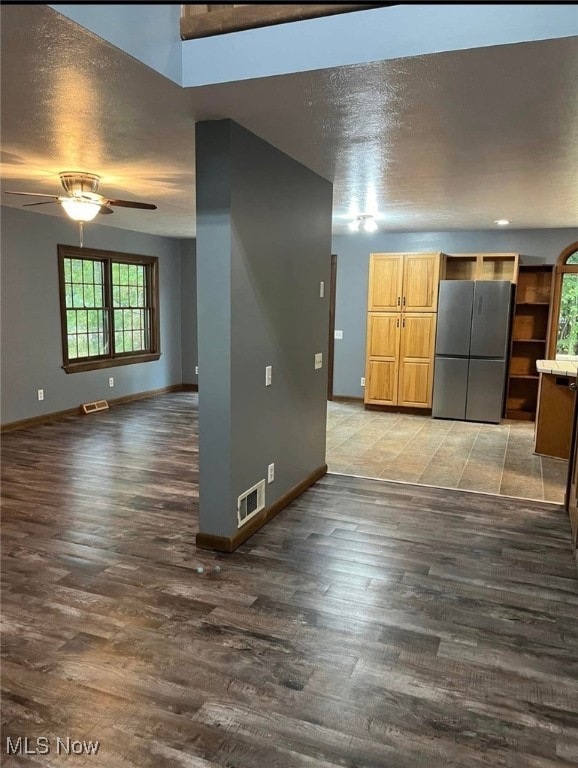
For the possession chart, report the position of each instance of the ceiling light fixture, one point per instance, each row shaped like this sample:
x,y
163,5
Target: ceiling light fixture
x,y
502,222
365,221
80,209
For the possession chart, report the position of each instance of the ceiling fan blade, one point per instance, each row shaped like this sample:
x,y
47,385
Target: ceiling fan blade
x,y
46,202
105,209
31,194
132,204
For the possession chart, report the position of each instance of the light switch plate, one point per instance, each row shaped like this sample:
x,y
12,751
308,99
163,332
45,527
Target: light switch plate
x,y
363,381
268,375
338,334
196,369
321,289
318,360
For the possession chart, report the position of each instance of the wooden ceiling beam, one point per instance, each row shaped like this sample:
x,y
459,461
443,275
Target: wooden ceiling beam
x,y
207,20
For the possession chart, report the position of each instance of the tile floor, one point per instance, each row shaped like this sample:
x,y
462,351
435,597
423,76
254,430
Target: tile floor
x,y
448,454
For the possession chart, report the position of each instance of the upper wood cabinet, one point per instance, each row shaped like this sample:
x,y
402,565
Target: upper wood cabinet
x,y
385,282
421,274
405,282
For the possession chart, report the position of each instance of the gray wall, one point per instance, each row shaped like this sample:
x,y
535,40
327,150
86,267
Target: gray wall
x,y
31,341
263,246
534,246
189,309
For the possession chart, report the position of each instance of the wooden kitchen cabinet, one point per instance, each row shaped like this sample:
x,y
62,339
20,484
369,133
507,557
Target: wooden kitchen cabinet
x,y
417,346
421,277
385,282
400,351
383,341
401,325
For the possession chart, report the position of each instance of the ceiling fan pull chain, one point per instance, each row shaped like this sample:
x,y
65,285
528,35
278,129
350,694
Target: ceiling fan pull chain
x,y
81,232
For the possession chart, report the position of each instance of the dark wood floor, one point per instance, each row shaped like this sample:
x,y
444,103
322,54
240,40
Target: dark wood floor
x,y
368,625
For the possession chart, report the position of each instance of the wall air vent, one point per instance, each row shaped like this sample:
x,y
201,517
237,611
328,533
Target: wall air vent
x,y
250,502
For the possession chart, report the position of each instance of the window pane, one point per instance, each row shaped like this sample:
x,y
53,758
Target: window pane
x,y
119,342
83,345
573,259
87,271
77,295
68,295
76,270
82,321
71,321
72,348
67,271
133,297
567,342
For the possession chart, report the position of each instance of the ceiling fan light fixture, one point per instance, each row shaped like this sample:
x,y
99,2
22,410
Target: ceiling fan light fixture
x,y
370,225
80,210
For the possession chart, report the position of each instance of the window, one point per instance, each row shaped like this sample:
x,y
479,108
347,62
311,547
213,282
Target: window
x,y
564,340
109,308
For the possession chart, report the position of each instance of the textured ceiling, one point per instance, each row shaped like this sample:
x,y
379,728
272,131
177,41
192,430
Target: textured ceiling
x,y
445,141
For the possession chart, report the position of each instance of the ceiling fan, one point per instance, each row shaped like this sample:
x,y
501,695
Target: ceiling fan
x,y
82,201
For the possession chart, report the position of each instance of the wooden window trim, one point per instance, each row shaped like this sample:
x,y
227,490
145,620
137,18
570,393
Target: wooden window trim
x,y
560,270
113,359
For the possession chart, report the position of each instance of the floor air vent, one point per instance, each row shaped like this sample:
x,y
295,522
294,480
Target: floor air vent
x,y
251,502
98,405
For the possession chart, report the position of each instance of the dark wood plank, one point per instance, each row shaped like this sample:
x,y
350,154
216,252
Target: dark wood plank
x,y
368,624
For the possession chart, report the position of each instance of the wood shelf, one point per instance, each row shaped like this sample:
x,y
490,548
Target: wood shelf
x,y
481,266
529,332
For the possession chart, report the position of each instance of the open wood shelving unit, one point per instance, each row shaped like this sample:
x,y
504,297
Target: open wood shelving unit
x,y
481,266
529,340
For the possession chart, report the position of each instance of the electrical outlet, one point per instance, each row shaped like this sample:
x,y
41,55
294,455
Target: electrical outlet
x,y
41,394
270,473
338,334
196,369
268,375
363,381
111,381
321,289
318,361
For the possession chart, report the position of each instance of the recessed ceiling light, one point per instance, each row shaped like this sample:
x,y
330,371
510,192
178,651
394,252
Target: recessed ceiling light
x,y
502,222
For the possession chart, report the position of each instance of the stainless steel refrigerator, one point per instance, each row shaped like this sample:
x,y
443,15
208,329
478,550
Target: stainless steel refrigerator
x,y
471,349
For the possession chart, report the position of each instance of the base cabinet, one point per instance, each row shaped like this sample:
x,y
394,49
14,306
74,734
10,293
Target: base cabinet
x,y
381,382
400,350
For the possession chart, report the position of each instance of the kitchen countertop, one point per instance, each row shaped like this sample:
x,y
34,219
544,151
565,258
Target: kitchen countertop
x,y
558,367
